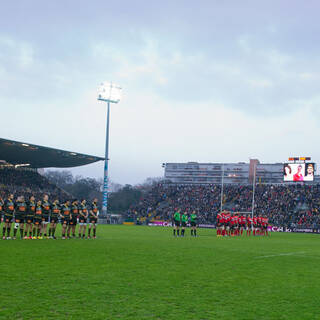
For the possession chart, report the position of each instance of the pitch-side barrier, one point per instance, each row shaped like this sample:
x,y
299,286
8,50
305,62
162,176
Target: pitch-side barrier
x,y
212,226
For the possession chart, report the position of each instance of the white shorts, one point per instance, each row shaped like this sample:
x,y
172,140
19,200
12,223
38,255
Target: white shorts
x,y
82,223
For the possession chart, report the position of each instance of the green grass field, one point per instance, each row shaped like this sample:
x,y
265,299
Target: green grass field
x,y
144,273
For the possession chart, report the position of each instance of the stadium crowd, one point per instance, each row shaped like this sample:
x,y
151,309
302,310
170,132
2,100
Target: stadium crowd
x,y
284,205
26,182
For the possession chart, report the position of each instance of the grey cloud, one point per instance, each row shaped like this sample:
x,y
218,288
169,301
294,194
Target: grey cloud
x,y
257,57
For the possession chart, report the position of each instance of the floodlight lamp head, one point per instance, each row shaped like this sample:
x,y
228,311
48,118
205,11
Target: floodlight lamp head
x,y
109,92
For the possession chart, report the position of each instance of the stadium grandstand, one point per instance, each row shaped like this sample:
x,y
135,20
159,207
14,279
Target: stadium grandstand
x,y
294,206
234,173
20,164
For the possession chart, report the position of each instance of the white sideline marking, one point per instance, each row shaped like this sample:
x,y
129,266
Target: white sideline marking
x,y
281,254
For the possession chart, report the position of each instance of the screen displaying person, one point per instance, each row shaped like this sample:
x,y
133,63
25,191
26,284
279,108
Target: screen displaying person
x,y
299,175
287,171
309,172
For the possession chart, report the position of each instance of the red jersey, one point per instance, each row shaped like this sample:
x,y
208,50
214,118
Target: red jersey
x,y
227,218
234,220
220,218
242,220
249,220
264,221
255,221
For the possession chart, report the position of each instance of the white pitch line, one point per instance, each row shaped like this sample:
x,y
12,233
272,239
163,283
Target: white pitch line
x,y
281,254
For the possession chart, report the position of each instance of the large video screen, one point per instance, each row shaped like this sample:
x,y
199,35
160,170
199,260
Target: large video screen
x,y
298,172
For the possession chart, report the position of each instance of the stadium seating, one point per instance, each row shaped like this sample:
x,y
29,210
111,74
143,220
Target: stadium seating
x,y
25,182
284,205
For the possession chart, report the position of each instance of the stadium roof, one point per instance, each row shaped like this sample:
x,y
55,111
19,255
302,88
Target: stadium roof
x,y
19,153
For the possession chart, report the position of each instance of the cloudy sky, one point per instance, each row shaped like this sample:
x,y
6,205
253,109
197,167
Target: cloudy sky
x,y
206,81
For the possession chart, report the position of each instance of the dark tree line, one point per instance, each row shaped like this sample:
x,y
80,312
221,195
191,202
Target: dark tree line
x,y
120,197
120,201
78,187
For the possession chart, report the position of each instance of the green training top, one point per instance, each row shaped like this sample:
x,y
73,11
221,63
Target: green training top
x,y
184,218
177,216
193,217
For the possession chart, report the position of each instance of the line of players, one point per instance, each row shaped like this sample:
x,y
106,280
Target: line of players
x,y
32,217
235,224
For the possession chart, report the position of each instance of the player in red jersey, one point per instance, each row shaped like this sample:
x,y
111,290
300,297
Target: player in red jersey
x,y
227,223
237,231
234,224
255,225
224,222
219,224
249,225
242,223
260,224
231,224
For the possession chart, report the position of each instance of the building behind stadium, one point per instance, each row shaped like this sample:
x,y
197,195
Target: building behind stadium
x,y
234,173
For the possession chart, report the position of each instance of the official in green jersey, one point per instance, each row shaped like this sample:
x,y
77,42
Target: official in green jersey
x,y
184,220
176,222
193,223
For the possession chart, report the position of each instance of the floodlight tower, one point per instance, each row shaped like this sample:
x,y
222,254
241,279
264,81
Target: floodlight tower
x,y
110,93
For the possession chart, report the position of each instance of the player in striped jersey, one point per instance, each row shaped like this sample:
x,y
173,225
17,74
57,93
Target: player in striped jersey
x,y
31,208
65,214
55,213
37,220
46,211
93,218
74,218
8,211
83,216
20,215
